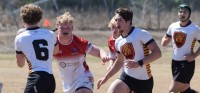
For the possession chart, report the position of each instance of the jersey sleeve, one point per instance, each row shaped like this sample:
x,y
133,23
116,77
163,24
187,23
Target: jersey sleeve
x,y
111,55
54,38
89,47
116,44
169,31
197,34
82,44
111,44
17,44
146,37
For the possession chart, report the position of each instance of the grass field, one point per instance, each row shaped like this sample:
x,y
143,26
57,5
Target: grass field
x,y
14,78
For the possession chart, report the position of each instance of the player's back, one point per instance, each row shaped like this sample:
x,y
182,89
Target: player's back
x,y
37,45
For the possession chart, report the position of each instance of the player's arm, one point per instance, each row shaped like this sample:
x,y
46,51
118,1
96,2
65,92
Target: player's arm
x,y
190,57
165,40
155,53
20,59
112,58
98,52
115,68
197,53
111,62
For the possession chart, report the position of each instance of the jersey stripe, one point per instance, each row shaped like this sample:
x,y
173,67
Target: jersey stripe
x,y
146,53
192,46
29,65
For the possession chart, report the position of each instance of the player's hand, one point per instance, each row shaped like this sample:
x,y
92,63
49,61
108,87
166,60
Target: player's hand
x,y
104,59
131,63
189,57
101,82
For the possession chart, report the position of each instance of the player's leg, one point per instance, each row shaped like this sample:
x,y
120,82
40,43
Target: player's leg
x,y
183,72
31,83
84,85
118,86
146,86
176,87
38,82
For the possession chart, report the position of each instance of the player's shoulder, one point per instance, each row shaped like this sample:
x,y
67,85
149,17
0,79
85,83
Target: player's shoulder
x,y
21,31
174,24
118,39
46,30
141,32
195,26
111,39
79,39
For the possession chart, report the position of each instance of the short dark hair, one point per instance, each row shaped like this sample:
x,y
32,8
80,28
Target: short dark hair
x,y
125,13
184,6
31,14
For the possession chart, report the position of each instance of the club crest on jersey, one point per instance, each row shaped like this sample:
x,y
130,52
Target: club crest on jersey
x,y
74,51
179,39
62,64
128,51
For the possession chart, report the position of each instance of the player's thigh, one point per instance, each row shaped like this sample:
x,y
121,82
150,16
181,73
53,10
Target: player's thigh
x,y
118,86
178,86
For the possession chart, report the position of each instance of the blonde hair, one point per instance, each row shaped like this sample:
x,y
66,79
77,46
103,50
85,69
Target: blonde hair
x,y
112,22
66,17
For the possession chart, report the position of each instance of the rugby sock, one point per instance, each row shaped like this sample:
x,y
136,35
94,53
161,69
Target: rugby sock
x,y
189,90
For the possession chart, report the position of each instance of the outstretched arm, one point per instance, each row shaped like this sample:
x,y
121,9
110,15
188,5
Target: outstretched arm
x,y
115,68
98,52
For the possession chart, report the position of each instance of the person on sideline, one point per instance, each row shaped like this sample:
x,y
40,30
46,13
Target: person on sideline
x,y
111,42
138,48
183,35
37,46
71,59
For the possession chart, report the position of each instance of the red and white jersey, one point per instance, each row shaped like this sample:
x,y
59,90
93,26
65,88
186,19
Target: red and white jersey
x,y
134,47
183,39
71,61
111,46
37,44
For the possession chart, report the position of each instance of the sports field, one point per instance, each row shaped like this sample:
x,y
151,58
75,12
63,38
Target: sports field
x,y
14,78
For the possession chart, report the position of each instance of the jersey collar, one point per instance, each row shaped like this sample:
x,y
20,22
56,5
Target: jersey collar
x,y
33,28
